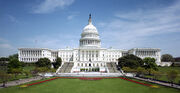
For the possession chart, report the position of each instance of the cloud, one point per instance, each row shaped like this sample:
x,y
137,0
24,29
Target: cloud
x,y
3,40
70,17
133,28
48,6
6,48
12,19
101,24
52,41
5,44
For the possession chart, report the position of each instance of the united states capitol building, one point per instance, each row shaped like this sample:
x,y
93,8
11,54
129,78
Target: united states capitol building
x,y
89,56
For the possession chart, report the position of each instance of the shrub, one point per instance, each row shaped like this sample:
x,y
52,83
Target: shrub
x,y
43,62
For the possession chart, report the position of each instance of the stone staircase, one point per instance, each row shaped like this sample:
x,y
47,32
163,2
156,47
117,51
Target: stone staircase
x,y
112,67
66,67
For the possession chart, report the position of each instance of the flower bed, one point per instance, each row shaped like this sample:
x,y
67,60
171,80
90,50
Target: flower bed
x,y
41,81
38,82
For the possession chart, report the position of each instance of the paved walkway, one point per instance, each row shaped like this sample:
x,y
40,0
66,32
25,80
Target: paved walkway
x,y
158,82
88,74
21,81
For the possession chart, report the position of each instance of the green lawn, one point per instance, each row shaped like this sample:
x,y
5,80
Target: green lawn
x,y
164,71
28,68
85,86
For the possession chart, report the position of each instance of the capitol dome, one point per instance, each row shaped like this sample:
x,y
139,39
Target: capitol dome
x,y
90,36
90,28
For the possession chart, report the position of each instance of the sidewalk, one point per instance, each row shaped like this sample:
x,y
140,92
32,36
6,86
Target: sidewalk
x,y
21,81
158,82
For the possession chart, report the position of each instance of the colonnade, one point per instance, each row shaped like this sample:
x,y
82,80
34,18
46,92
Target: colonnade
x,y
89,42
146,53
25,53
89,55
30,55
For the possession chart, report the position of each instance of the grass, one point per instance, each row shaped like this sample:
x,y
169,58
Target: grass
x,y
164,70
86,86
22,76
28,68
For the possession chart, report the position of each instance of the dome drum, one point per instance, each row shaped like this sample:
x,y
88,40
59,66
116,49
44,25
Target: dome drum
x,y
97,39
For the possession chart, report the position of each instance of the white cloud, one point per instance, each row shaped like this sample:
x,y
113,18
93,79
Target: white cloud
x,y
48,6
12,18
71,17
3,40
131,29
101,24
53,42
6,46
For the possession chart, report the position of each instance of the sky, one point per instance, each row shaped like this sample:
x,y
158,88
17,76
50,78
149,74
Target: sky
x,y
122,24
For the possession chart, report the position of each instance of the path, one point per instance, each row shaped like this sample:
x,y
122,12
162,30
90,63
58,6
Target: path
x,y
21,81
158,82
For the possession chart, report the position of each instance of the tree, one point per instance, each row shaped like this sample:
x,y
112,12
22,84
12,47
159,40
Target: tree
x,y
140,71
172,75
156,74
43,62
57,63
13,56
128,69
4,59
167,58
131,61
3,66
16,71
4,77
149,64
41,70
27,73
13,64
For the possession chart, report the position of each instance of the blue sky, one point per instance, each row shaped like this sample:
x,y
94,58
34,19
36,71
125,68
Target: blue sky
x,y
122,24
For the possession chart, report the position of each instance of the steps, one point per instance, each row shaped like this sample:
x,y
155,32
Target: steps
x,y
112,67
66,67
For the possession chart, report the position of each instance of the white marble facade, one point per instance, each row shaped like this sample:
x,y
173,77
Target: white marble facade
x,y
88,53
